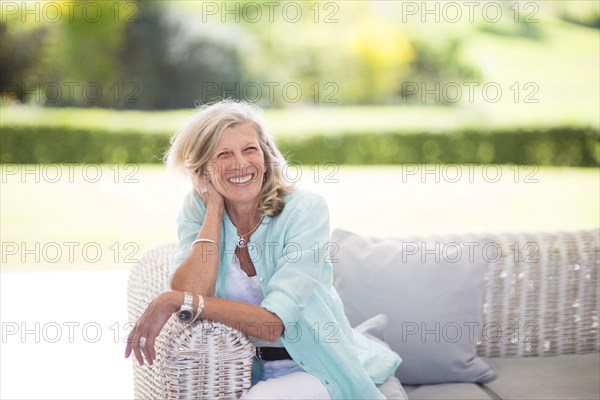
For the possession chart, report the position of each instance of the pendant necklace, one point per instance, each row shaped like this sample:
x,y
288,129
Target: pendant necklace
x,y
241,243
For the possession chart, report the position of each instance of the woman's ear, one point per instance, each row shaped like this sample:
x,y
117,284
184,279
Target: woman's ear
x,y
210,170
201,172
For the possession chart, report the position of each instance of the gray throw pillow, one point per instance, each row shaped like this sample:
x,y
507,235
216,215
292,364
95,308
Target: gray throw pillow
x,y
432,293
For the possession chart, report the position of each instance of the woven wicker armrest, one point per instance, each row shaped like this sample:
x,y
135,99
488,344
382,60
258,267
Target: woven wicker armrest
x,y
542,295
203,360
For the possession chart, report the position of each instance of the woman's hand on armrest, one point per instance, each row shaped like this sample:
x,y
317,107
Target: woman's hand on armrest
x,y
150,324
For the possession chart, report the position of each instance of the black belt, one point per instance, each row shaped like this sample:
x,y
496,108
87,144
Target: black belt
x,y
272,353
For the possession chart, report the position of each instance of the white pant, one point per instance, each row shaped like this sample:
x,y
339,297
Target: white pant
x,y
286,380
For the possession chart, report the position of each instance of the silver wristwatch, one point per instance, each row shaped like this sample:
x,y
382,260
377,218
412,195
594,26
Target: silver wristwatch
x,y
186,312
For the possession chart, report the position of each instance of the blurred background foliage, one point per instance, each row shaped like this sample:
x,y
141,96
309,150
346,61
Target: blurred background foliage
x,y
172,50
409,73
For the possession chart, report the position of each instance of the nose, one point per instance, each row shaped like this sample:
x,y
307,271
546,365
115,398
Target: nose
x,y
241,162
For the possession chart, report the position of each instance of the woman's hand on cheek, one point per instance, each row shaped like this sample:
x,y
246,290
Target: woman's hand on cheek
x,y
210,195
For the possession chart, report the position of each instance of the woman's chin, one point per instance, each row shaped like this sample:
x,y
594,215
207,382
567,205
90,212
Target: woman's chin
x,y
242,198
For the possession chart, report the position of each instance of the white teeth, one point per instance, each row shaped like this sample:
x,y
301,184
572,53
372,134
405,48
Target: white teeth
x,y
241,179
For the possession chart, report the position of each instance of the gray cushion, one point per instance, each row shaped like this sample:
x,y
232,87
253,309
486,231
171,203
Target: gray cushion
x,y
433,302
570,376
374,329
448,391
392,389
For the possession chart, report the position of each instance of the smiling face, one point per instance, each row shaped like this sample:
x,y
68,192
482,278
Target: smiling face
x,y
237,165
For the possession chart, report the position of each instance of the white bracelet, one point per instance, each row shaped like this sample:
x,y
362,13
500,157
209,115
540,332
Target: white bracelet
x,y
200,307
202,240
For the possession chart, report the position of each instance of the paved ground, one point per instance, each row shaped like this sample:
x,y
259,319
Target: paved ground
x,y
62,335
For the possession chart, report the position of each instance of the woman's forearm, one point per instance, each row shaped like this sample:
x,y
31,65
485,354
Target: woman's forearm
x,y
249,319
198,272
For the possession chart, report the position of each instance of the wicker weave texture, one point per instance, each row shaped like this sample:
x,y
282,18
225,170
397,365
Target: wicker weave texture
x,y
542,295
204,360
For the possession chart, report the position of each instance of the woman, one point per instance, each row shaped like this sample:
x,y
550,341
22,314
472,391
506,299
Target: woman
x,y
253,255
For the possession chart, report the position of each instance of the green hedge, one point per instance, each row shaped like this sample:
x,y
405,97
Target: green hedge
x,y
556,146
563,146
65,145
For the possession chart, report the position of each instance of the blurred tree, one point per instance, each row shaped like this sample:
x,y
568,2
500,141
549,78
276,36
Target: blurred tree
x,y
20,51
115,55
378,60
175,65
308,45
582,12
82,52
523,21
435,64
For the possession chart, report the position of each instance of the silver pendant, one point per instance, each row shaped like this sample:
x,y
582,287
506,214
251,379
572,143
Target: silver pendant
x,y
241,243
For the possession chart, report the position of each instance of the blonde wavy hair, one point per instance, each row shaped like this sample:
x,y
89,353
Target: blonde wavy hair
x,y
192,147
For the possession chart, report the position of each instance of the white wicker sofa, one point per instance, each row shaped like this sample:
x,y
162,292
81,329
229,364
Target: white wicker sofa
x,y
519,324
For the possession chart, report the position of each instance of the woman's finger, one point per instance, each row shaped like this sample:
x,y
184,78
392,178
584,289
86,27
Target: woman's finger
x,y
130,337
133,342
148,349
128,348
136,349
204,188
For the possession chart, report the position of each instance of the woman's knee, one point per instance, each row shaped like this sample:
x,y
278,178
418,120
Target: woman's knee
x,y
296,385
260,391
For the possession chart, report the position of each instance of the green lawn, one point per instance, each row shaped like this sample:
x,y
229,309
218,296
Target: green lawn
x,y
83,220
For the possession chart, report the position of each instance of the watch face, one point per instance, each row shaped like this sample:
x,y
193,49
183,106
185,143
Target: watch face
x,y
185,315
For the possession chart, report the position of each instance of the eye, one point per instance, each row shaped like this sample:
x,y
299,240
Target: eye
x,y
251,148
222,154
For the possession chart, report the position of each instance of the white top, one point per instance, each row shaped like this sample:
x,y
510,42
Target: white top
x,y
241,287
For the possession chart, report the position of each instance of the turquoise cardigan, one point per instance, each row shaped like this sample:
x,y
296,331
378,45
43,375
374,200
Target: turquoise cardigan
x,y
294,261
